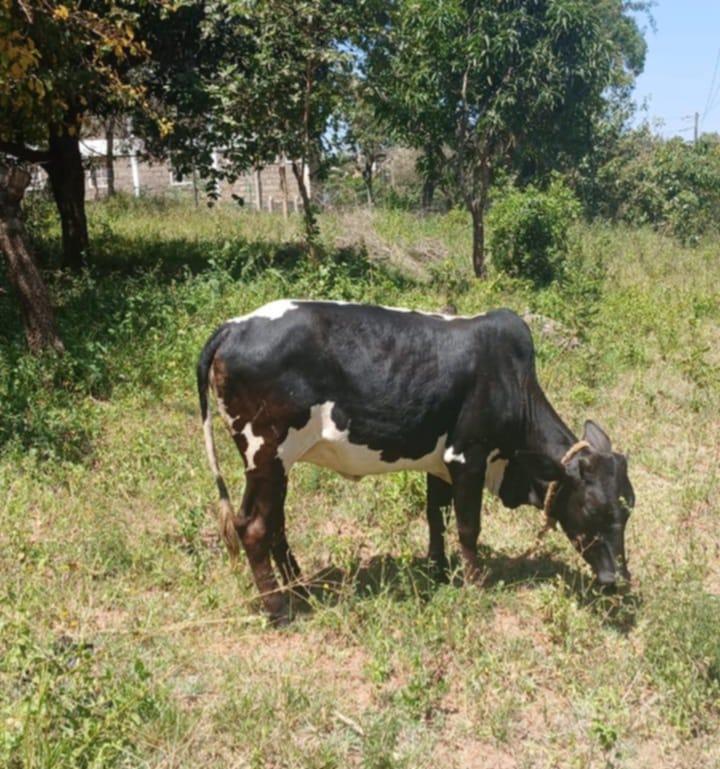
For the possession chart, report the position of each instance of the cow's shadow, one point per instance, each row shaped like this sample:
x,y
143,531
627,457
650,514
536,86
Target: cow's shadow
x,y
404,579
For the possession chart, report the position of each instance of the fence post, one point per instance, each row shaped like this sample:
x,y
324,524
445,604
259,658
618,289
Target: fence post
x,y
258,191
134,167
282,168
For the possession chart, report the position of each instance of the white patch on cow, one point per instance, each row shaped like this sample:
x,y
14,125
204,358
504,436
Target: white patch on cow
x,y
254,444
494,471
321,442
428,313
271,311
450,456
222,410
278,308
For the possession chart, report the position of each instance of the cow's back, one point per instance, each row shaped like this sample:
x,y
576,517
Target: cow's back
x,y
391,380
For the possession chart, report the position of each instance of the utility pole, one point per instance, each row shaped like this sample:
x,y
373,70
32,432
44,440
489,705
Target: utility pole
x,y
695,132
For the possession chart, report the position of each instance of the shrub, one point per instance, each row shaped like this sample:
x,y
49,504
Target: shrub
x,y
667,183
529,231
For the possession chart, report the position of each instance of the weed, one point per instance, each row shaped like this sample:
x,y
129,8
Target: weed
x,y
66,704
683,652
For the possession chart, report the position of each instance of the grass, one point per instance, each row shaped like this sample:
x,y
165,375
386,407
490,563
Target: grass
x,y
126,640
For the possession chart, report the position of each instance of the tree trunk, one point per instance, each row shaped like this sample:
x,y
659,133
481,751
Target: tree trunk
x,y
67,181
367,175
478,244
22,271
195,186
282,169
429,166
312,231
110,157
477,204
428,192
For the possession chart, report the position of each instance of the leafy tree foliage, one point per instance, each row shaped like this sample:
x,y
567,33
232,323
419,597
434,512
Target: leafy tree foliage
x,y
191,46
362,134
485,80
295,77
669,184
58,62
260,81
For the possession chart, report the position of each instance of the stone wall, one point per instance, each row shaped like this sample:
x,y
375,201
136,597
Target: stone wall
x,y
157,180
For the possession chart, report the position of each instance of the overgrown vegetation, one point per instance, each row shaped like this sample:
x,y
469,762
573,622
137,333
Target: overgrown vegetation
x,y
670,184
127,640
530,231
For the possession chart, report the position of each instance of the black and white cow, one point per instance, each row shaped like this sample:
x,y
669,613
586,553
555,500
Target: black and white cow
x,y
364,389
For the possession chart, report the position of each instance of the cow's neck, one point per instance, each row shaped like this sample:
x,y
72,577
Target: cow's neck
x,y
547,434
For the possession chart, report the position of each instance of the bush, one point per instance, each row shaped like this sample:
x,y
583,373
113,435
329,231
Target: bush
x,y
667,183
529,231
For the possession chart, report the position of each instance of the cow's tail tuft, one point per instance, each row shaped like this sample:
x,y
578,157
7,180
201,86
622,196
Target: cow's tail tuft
x,y
226,517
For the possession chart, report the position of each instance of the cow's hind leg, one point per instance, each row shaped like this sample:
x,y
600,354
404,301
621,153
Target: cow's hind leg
x,y
285,561
439,499
260,530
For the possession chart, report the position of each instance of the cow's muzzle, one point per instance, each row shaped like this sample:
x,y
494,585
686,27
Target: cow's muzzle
x,y
608,564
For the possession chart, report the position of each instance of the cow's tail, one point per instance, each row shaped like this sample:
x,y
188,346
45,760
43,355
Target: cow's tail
x,y
226,518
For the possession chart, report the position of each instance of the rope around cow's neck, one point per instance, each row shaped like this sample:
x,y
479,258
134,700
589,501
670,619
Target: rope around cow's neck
x,y
553,486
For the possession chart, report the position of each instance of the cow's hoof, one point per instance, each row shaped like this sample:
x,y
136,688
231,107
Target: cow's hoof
x,y
439,571
278,610
300,592
279,620
475,577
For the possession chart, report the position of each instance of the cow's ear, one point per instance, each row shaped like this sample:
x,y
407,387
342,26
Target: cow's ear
x,y
540,467
596,437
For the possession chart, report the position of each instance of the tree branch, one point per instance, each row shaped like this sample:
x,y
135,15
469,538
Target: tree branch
x,y
21,152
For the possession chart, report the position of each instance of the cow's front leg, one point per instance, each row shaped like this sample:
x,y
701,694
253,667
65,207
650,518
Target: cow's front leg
x,y
439,499
467,488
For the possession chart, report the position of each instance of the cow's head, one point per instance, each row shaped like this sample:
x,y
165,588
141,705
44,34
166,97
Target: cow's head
x,y
592,501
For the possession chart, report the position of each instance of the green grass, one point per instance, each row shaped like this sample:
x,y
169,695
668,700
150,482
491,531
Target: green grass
x,y
126,639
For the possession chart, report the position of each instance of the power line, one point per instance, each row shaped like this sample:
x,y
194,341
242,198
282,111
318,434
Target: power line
x,y
715,101
712,86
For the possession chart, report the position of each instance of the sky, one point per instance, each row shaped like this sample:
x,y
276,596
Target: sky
x,y
681,58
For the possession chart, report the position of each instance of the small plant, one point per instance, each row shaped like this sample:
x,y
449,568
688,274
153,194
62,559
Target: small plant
x,y
64,704
683,653
529,231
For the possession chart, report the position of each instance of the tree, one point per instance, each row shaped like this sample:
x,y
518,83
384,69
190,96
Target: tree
x,y
190,46
294,79
365,136
60,61
259,83
485,80
22,271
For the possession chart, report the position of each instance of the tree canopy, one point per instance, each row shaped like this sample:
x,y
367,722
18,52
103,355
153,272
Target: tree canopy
x,y
60,61
483,81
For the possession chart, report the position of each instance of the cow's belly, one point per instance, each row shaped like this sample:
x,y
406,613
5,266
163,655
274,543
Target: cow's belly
x,y
321,442
355,461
